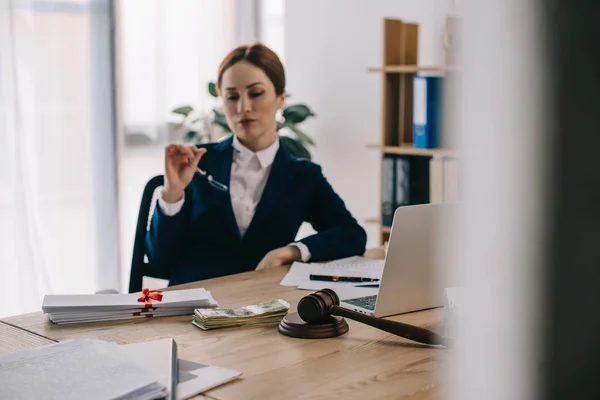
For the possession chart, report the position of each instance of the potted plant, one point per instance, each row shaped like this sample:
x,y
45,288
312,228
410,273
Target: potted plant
x,y
201,128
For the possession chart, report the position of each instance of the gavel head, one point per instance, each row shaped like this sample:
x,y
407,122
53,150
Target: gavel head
x,y
316,307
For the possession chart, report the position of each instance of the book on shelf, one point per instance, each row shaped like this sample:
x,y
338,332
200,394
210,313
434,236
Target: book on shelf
x,y
405,181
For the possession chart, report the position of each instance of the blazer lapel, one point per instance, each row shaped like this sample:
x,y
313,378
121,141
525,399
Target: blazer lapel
x,y
282,170
220,169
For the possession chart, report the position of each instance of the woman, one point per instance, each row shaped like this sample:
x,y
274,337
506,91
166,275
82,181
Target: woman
x,y
243,210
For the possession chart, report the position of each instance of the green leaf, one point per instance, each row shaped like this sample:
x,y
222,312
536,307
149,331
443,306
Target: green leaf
x,y
301,135
280,125
190,136
184,110
212,89
297,113
294,147
221,120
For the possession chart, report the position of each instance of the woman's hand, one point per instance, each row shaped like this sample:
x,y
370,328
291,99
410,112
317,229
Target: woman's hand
x,y
180,165
278,257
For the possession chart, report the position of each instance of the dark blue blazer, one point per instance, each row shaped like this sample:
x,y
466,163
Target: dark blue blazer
x,y
203,241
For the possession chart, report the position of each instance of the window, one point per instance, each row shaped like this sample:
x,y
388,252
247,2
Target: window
x,y
58,207
272,34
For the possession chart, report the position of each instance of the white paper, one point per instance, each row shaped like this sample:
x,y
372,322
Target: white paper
x,y
299,273
319,285
105,307
175,298
82,369
197,378
371,270
194,378
354,260
110,316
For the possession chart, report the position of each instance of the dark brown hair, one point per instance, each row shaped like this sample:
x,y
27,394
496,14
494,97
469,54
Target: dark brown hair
x,y
260,56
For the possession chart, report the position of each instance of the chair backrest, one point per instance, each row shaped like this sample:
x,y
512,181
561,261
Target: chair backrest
x,y
139,265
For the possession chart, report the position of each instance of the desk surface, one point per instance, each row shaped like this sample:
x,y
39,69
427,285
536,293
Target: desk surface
x,y
364,363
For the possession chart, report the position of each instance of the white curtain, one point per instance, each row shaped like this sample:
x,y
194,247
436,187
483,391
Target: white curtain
x,y
58,218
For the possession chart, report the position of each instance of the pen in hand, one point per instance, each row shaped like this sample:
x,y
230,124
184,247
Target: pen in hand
x,y
213,183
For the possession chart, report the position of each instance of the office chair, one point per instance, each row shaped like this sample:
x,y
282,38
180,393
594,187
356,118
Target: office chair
x,y
139,265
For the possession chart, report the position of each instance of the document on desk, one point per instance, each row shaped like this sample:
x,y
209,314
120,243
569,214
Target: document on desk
x,y
299,273
80,369
196,378
193,378
69,309
95,369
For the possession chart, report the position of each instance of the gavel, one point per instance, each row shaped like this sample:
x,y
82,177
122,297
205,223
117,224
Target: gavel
x,y
317,307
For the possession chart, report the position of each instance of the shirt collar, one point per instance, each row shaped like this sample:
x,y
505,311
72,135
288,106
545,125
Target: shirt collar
x,y
244,155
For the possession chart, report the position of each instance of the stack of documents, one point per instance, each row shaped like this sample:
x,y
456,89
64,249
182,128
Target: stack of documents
x,y
66,309
94,369
269,312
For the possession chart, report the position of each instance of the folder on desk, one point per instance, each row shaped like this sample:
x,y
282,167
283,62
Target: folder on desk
x,y
159,358
427,110
95,369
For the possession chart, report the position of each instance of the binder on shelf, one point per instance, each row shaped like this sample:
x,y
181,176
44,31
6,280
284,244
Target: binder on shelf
x,y
419,180
402,182
405,181
387,189
427,110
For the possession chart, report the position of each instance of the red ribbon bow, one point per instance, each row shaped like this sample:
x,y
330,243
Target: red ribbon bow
x,y
148,295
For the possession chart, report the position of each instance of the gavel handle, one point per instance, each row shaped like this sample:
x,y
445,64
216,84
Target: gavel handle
x,y
411,332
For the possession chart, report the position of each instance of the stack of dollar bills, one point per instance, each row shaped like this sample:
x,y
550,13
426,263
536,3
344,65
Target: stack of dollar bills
x,y
269,312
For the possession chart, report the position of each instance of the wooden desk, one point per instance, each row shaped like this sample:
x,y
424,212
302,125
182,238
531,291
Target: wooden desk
x,y
364,363
13,338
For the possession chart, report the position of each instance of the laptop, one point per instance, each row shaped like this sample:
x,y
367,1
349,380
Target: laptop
x,y
414,276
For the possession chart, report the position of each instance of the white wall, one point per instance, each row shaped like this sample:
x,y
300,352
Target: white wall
x,y
328,47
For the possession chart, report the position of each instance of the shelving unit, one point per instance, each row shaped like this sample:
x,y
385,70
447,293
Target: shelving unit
x,y
407,149
412,69
429,173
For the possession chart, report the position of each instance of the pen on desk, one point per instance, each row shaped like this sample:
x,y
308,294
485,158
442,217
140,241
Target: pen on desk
x,y
373,285
328,278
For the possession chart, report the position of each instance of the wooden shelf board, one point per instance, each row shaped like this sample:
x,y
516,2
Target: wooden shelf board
x,y
411,150
372,221
386,229
412,69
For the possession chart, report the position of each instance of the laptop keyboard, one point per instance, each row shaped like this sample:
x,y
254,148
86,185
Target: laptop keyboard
x,y
367,302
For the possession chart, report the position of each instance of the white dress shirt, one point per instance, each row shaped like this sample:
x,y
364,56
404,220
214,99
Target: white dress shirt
x,y
249,173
